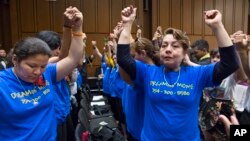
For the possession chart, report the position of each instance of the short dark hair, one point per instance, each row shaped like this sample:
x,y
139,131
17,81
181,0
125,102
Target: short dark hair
x,y
200,44
51,38
214,52
30,46
179,35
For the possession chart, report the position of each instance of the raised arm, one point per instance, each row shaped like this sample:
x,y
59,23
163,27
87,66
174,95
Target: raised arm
x,y
213,19
188,62
124,58
66,65
65,41
229,62
96,51
66,36
242,48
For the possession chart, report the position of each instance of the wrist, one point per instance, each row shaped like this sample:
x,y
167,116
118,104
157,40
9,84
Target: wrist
x,y
77,29
217,27
77,33
66,29
127,24
67,26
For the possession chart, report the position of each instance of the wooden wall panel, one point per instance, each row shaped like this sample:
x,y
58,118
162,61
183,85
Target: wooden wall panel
x,y
246,15
75,3
198,17
58,8
25,34
208,6
146,19
89,15
212,41
155,14
239,10
176,16
192,37
43,15
100,17
219,5
1,26
5,38
187,16
229,15
164,14
15,30
103,16
116,8
130,2
234,15
27,16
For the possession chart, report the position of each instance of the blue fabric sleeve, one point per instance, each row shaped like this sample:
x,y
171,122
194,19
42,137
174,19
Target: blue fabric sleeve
x,y
228,64
125,60
51,67
106,81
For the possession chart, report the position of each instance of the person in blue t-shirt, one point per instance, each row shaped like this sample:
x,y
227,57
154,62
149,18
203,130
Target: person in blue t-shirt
x,y
172,90
62,100
26,90
131,95
61,89
133,98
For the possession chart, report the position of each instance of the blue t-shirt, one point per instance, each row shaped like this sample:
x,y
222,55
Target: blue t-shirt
x,y
62,100
103,65
133,101
171,112
105,80
27,111
116,84
79,80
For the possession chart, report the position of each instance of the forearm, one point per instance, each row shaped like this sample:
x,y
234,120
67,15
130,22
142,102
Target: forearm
x,y
190,63
99,54
115,45
229,63
125,36
66,43
126,61
76,49
222,36
77,45
240,73
244,62
67,64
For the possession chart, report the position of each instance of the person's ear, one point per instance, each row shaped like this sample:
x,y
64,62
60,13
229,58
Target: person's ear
x,y
14,59
204,50
185,51
143,53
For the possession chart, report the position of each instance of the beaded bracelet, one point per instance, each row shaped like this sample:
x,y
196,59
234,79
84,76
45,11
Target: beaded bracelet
x,y
77,34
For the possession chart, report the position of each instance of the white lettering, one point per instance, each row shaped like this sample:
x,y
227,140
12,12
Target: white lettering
x,y
240,132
